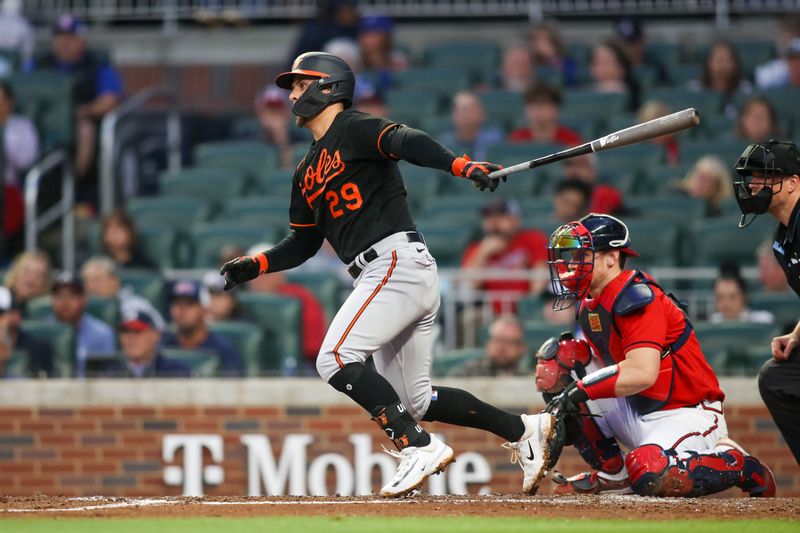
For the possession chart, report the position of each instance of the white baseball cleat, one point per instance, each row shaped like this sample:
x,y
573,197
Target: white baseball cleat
x,y
531,452
416,465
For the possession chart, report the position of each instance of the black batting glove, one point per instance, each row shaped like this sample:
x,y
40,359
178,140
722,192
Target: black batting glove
x,y
243,269
477,171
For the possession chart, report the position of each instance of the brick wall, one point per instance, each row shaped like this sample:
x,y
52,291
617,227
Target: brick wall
x,y
117,450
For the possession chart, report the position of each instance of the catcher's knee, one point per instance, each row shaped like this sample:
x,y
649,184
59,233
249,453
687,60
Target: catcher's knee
x,y
600,452
648,467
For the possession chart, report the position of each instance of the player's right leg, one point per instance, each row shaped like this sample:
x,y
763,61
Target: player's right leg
x,y
384,302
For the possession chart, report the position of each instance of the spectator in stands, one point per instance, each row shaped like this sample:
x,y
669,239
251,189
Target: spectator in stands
x,y
652,110
758,121
516,69
92,335
379,56
313,318
101,279
97,90
470,134
722,74
708,180
20,151
16,36
29,276
770,273
120,241
542,109
730,299
275,117
606,199
39,354
223,306
571,199
189,302
335,18
547,46
139,337
612,73
506,246
793,64
505,351
632,40
775,73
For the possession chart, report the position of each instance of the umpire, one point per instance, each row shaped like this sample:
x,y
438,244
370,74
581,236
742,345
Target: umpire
x,y
768,181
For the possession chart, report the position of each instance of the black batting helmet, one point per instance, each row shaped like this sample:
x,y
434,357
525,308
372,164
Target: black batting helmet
x,y
333,73
758,175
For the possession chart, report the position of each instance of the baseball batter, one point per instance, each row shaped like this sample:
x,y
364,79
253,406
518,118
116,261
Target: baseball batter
x,y
645,379
348,189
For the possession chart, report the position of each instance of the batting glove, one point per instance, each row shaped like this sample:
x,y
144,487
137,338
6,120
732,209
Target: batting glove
x,y
243,269
477,171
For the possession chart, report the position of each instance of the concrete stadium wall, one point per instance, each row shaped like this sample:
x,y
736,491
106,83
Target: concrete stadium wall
x,y
250,437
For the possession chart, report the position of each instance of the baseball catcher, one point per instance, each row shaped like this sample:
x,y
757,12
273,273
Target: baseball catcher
x,y
636,397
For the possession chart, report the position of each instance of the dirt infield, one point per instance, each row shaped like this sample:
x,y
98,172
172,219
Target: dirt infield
x,y
617,507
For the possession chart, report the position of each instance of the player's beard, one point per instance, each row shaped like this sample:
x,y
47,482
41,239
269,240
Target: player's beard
x,y
300,121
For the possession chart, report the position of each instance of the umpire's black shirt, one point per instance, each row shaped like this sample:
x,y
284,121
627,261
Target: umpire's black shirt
x,y
786,248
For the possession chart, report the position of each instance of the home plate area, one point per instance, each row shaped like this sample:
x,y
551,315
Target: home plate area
x,y
593,507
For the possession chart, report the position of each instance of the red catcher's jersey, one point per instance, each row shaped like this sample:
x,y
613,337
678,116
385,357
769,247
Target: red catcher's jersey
x,y
685,379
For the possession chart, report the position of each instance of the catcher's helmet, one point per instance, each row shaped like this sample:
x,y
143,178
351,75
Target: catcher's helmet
x,y
333,72
758,175
571,252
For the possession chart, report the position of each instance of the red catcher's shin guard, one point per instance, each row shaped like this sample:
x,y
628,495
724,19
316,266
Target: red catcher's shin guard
x,y
600,452
656,472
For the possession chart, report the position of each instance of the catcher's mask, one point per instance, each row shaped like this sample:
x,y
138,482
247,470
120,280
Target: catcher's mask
x,y
571,251
334,75
759,175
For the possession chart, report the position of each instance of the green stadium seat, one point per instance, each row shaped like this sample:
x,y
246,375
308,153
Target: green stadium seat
x,y
664,179
46,97
718,339
16,366
783,305
470,56
457,207
248,340
146,283
536,332
173,212
39,308
530,308
446,240
277,183
674,209
587,128
270,212
718,240
421,183
62,339
593,105
446,362
705,102
684,73
742,361
503,106
669,54
106,309
728,151
203,363
443,81
160,244
299,151
212,184
656,241
250,157
580,52
536,206
209,239
415,103
324,286
280,319
544,222
754,53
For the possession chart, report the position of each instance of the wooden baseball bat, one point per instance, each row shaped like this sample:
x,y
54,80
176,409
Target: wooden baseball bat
x,y
688,118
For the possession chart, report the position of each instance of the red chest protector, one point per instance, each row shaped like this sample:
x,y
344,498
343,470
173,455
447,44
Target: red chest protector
x,y
599,325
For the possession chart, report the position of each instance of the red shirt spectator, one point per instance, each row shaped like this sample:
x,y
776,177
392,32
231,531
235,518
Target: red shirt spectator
x,y
506,246
542,109
606,199
313,317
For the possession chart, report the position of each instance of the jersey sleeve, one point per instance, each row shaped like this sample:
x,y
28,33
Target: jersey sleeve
x,y
365,133
300,214
644,328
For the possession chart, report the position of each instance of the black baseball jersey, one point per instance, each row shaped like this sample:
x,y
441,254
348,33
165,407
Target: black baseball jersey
x,y
348,189
786,248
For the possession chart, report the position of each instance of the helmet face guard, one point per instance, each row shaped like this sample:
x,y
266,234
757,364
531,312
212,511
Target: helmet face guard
x,y
758,178
570,256
313,100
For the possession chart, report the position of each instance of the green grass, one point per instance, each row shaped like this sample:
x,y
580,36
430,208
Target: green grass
x,y
384,525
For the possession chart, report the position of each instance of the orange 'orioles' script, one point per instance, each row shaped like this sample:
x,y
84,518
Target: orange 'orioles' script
x,y
328,167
